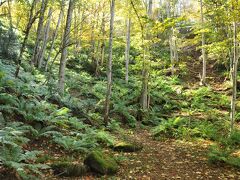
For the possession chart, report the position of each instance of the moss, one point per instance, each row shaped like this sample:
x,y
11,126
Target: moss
x,y
101,163
68,169
127,147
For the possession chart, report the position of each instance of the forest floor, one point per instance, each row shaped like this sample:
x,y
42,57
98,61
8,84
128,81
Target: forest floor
x,y
167,159
172,159
175,159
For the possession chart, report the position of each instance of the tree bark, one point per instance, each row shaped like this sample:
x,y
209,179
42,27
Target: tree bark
x,y
31,20
65,43
127,50
204,56
145,99
36,50
234,77
55,35
103,41
109,71
45,39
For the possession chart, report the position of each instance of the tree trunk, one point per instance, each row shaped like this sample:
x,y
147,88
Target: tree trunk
x,y
145,73
128,35
65,43
45,39
10,30
234,77
31,20
109,71
55,35
204,56
103,41
36,50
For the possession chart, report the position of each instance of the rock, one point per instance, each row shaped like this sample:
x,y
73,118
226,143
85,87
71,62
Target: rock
x,y
127,147
101,163
68,169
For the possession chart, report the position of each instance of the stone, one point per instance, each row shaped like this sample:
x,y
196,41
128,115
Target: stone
x,y
127,147
101,163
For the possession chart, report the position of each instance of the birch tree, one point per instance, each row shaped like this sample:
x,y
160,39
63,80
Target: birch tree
x,y
45,38
109,71
145,98
234,68
31,20
204,55
127,50
55,34
36,50
65,44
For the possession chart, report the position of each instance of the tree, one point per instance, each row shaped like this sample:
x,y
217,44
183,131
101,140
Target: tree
x,y
64,47
234,68
145,97
45,39
204,56
109,71
31,20
127,50
55,34
36,51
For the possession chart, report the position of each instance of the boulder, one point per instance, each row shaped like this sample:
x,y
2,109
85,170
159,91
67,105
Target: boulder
x,y
127,147
69,169
101,163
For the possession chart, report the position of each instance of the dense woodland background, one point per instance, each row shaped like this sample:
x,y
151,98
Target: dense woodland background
x,y
125,89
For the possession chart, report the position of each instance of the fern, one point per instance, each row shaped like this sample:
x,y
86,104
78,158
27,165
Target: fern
x,y
15,134
106,138
13,157
79,142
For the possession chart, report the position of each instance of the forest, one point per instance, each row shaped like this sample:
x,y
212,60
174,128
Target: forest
x,y
119,89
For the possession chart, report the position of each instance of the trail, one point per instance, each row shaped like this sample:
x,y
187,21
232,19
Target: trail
x,y
171,159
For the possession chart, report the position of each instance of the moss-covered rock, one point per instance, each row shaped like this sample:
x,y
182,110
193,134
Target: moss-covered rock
x,y
68,169
127,147
101,163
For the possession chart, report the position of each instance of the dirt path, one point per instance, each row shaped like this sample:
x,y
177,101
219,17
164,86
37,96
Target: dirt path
x,y
171,159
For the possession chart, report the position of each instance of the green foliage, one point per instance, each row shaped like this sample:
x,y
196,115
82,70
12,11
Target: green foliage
x,y
80,142
222,156
204,98
114,125
13,157
105,138
169,128
184,128
124,111
233,140
15,134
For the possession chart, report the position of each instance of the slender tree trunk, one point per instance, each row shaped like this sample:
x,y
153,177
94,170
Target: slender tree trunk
x,y
45,39
145,86
204,55
109,71
31,20
55,35
79,43
171,51
65,43
171,43
36,50
234,77
96,52
103,41
127,51
10,30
